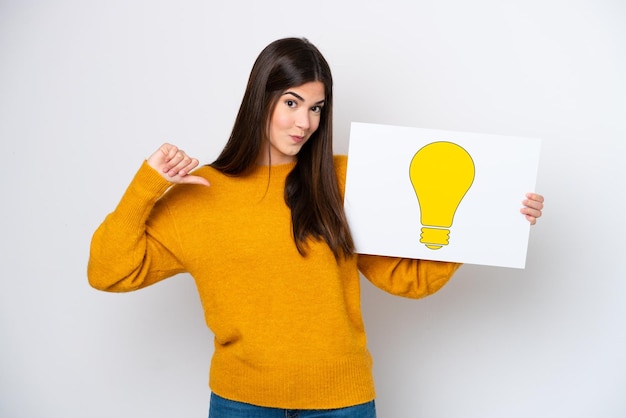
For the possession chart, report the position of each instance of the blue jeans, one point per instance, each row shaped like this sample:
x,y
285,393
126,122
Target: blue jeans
x,y
224,408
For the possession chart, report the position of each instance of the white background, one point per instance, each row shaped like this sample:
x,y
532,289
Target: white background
x,y
88,89
385,215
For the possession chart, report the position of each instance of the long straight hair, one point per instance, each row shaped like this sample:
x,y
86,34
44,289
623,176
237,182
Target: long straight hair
x,y
311,189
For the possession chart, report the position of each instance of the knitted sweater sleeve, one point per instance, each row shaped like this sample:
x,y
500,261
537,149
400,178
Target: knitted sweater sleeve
x,y
127,253
406,277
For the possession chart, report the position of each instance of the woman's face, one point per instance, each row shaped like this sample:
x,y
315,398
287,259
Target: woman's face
x,y
295,118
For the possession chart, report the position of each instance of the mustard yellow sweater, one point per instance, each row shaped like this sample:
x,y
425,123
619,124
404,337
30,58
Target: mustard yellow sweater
x,y
288,329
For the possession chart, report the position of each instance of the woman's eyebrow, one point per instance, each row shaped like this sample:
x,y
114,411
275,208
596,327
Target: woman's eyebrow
x,y
297,96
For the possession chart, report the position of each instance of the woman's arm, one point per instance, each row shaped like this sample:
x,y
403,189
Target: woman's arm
x,y
125,254
406,277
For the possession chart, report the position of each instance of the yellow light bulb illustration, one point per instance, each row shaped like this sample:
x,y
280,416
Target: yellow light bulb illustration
x,y
441,174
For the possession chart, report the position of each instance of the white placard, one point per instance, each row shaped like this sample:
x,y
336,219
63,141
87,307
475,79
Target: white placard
x,y
439,195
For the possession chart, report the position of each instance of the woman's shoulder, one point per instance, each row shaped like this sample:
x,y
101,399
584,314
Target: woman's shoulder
x,y
340,159
341,162
186,193
341,166
207,171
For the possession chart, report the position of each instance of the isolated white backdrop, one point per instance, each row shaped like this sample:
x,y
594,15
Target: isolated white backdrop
x,y
88,89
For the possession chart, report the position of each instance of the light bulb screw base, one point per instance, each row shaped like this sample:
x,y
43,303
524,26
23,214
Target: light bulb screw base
x,y
434,238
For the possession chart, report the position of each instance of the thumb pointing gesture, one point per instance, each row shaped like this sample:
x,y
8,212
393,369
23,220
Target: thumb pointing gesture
x,y
174,165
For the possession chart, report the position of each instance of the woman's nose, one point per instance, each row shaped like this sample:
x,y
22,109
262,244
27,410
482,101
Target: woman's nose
x,y
303,121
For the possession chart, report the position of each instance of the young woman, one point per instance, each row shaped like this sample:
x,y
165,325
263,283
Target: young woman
x,y
263,233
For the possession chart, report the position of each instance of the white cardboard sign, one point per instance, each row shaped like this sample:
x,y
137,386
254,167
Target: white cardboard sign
x,y
439,195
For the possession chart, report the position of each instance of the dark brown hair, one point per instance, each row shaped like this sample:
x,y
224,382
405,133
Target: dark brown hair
x,y
311,189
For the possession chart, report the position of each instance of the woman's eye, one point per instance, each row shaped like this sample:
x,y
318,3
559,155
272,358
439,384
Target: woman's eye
x,y
291,103
316,109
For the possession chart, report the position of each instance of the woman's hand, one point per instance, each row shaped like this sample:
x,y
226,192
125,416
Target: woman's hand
x,y
174,165
533,204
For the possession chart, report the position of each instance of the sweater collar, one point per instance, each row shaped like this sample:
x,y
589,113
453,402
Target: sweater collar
x,y
278,169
